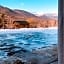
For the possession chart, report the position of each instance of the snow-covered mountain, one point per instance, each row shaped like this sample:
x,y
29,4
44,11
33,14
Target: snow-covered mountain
x,y
49,16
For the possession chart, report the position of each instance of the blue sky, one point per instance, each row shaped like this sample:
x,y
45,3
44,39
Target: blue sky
x,y
34,6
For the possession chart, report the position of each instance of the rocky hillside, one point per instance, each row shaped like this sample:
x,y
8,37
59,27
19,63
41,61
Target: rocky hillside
x,y
8,16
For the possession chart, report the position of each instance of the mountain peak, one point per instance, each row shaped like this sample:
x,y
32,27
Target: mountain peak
x,y
1,6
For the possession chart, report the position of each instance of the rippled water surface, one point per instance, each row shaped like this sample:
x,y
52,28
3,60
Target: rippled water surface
x,y
10,41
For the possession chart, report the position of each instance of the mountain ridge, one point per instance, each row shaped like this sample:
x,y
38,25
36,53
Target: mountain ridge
x,y
33,20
